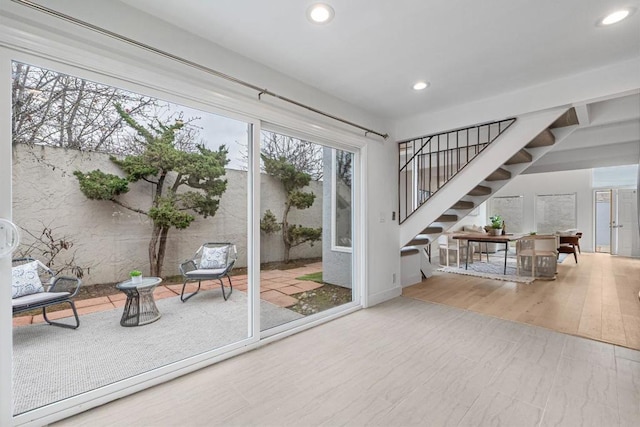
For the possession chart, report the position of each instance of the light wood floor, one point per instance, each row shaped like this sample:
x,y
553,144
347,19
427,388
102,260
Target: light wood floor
x,y
596,298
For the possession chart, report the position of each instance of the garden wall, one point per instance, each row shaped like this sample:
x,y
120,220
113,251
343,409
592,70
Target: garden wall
x,y
112,240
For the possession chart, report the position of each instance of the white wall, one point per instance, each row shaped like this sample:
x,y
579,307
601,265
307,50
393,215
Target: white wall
x,y
577,181
382,232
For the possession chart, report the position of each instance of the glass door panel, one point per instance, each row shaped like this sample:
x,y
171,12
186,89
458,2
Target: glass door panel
x,y
603,221
306,262
107,181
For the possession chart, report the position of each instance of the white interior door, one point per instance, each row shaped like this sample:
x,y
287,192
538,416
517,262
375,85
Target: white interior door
x,y
625,234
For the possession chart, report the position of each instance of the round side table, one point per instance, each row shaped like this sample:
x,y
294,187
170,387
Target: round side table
x,y
140,307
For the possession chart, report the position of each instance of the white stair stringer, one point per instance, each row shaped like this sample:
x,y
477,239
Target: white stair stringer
x,y
491,158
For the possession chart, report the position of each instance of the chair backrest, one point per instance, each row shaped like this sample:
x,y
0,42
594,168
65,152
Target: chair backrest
x,y
537,243
569,240
45,273
215,255
546,244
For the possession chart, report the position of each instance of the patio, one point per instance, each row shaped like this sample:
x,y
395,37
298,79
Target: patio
x,y
276,287
45,371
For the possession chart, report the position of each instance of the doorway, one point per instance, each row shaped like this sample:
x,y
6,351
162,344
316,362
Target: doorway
x,y
616,227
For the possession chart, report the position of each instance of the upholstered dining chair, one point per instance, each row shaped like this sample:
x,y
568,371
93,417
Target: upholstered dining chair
x,y
569,245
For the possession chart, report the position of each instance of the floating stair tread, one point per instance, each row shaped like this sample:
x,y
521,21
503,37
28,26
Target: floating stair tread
x,y
463,204
419,241
432,230
409,251
521,156
499,175
543,139
447,218
569,118
480,190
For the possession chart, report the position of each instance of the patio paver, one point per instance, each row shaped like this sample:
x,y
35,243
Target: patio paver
x,y
277,286
278,298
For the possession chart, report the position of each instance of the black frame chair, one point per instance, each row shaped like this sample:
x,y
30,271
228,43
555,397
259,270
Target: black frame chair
x,y
191,271
57,290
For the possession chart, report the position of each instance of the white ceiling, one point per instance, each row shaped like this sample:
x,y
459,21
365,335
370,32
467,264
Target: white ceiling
x,y
374,50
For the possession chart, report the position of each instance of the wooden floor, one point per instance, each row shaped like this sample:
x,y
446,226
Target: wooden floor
x,y
597,298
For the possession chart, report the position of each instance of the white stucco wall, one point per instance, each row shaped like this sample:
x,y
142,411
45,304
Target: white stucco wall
x,y
113,240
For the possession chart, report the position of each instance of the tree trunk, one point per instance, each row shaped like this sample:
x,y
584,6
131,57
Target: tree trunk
x,y
285,231
162,248
153,257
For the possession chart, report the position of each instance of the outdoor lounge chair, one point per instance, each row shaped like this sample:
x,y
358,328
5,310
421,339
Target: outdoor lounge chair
x,y
35,286
211,261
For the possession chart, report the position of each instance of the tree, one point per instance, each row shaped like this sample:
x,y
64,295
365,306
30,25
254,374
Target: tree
x,y
167,168
54,249
292,180
51,108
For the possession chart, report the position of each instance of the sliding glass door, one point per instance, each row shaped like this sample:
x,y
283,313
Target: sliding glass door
x,y
306,260
107,181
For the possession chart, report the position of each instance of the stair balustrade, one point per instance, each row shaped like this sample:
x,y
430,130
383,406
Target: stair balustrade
x,y
427,163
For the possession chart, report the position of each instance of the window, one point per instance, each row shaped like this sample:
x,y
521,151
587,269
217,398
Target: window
x,y
341,200
616,176
555,212
511,209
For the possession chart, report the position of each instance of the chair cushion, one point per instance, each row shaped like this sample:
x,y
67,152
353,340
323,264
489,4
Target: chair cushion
x,y
25,280
211,273
38,298
215,257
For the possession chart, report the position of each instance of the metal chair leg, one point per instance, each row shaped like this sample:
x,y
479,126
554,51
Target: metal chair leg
x,y
222,287
63,325
184,285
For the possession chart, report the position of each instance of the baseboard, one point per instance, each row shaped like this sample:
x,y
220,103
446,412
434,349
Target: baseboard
x,y
381,297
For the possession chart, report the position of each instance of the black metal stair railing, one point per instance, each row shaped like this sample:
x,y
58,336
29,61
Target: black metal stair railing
x,y
427,163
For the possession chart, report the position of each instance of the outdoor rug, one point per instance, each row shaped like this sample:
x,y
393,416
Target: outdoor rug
x,y
51,363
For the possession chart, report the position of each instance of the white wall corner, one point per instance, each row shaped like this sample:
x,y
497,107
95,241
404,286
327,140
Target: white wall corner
x,y
380,297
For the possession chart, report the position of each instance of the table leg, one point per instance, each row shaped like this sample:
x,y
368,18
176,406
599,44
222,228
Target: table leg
x,y
506,251
466,259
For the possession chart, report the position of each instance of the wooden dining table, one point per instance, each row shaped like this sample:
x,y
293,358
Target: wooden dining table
x,y
486,238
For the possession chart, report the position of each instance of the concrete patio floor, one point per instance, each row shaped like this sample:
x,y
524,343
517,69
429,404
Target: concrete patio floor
x,y
276,287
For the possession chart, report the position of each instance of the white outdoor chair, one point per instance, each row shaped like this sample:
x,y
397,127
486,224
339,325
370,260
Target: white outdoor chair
x,y
211,261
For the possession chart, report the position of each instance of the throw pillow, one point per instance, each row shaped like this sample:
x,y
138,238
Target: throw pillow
x,y
25,280
214,257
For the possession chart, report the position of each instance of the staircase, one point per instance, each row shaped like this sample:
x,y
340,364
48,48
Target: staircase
x,y
436,193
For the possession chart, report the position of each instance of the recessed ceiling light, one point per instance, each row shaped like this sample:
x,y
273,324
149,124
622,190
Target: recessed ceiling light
x,y
320,13
421,85
615,17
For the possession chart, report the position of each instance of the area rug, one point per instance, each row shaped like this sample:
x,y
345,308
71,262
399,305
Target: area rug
x,y
494,269
51,363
